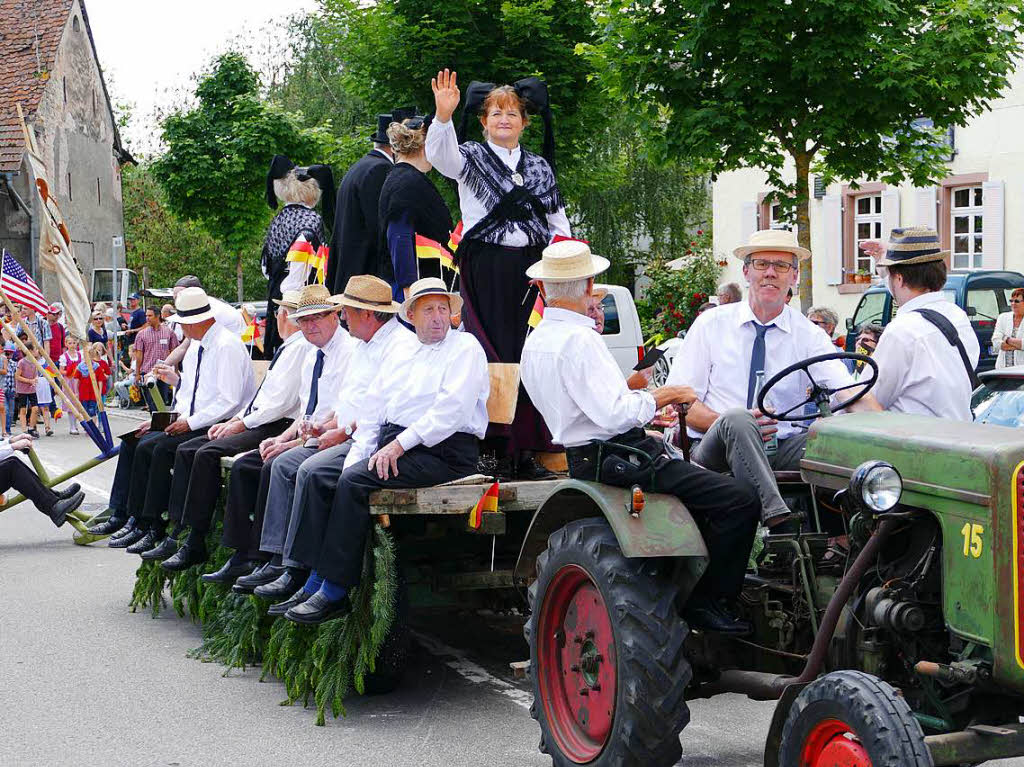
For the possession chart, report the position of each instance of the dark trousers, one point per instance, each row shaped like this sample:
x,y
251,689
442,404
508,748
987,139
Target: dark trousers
x,y
336,551
151,476
247,503
725,509
195,487
121,488
14,473
165,395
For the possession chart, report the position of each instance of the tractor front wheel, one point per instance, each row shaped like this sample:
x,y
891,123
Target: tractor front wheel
x,y
852,719
606,653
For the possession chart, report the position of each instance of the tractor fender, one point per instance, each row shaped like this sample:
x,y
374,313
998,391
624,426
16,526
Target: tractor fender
x,y
664,528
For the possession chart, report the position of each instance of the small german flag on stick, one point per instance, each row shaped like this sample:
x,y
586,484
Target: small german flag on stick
x,y
488,503
538,312
427,248
455,238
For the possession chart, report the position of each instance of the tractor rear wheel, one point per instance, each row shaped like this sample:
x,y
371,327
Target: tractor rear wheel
x,y
606,653
852,719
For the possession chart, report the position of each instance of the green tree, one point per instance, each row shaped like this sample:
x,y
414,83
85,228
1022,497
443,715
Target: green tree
x,y
216,161
833,86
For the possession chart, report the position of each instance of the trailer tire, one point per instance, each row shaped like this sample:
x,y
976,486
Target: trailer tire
x,y
628,655
854,717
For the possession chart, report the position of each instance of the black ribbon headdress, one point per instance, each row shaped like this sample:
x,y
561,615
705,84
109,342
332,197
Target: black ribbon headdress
x,y
280,166
532,90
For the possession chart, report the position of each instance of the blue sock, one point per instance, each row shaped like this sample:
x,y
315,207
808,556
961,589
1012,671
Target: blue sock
x,y
313,583
332,591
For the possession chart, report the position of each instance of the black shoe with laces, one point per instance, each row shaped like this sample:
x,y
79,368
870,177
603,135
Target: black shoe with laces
x,y
124,541
110,527
529,470
168,548
148,541
266,573
126,528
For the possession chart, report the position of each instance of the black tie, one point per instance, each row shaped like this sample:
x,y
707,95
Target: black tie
x,y
756,361
273,361
195,387
314,388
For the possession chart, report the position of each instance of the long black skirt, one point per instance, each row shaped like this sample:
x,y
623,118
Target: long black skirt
x,y
498,300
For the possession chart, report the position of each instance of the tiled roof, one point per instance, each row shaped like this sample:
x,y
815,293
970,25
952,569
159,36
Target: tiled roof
x,y
30,32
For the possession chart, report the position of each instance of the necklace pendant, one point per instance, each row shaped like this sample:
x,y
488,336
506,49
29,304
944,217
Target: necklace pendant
x,y
517,179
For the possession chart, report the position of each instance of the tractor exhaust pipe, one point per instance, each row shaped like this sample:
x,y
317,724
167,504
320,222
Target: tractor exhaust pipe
x,y
976,744
761,686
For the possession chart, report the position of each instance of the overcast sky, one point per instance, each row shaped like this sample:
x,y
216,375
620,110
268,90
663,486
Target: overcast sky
x,y
149,50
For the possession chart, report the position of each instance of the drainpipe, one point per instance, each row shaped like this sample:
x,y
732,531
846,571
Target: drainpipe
x,y
33,234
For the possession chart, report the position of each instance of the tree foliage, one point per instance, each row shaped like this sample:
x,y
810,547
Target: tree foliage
x,y
673,296
217,156
834,85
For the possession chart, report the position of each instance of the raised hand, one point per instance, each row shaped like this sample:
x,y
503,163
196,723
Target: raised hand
x,y
446,94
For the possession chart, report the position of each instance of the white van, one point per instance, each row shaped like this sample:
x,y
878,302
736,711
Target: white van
x,y
622,334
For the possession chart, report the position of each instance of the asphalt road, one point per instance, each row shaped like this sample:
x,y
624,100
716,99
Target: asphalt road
x,y
86,682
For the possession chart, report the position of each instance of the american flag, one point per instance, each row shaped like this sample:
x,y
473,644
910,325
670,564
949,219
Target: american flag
x,y
21,288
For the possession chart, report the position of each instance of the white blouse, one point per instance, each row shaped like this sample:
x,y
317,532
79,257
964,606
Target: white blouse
x,y
1004,329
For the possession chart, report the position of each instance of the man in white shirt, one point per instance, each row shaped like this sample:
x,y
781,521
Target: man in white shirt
x,y
227,317
195,488
724,351
322,370
303,479
928,353
575,383
216,380
424,414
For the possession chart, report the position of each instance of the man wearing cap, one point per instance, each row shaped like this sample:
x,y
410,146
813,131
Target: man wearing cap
x,y
216,380
928,353
355,242
578,388
316,313
303,479
195,487
725,351
137,318
421,421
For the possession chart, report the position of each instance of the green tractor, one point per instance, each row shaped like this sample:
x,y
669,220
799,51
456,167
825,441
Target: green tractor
x,y
904,648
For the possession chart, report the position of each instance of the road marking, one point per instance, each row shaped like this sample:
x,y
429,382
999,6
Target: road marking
x,y
473,672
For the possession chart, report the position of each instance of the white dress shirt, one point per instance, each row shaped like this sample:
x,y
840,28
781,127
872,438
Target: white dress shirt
x,y
575,383
918,371
278,396
337,353
392,340
442,150
226,380
437,390
714,359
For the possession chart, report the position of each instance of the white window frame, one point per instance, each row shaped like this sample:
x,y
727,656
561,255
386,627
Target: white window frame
x,y
974,257
861,260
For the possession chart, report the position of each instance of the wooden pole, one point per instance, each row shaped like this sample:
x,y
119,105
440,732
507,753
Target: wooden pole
x,y
80,414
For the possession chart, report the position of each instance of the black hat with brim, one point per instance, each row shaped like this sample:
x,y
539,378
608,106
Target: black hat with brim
x,y
279,168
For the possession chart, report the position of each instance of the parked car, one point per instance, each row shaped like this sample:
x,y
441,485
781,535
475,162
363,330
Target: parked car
x,y
622,334
983,294
1000,398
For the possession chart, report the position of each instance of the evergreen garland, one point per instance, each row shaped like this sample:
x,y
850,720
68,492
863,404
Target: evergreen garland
x,y
150,580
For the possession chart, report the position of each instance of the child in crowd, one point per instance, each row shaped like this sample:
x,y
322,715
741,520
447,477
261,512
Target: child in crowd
x,y
25,393
44,396
10,355
69,360
4,363
101,371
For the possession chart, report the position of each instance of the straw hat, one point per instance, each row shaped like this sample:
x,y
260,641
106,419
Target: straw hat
x,y
191,306
313,299
289,299
772,239
913,245
363,291
431,286
567,260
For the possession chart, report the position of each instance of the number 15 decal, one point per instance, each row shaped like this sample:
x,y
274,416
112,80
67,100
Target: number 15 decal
x,y
972,539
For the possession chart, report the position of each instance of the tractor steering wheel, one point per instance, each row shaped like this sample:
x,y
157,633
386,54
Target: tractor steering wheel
x,y
819,395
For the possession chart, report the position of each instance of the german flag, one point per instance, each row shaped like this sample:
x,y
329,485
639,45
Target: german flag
x,y
319,263
538,312
562,238
427,248
301,251
488,503
455,238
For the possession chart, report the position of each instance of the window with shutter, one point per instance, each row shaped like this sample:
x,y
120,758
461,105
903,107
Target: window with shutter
x,y
867,225
967,223
993,217
832,228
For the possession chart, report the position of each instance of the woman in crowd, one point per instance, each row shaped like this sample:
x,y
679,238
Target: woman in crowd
x,y
410,205
1008,337
511,209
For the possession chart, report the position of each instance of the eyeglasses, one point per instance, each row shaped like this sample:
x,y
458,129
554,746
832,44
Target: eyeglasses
x,y
820,323
1017,300
762,264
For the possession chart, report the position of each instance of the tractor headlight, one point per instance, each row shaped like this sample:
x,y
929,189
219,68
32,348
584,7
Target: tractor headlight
x,y
876,485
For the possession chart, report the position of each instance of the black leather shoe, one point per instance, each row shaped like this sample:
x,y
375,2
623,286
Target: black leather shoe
x,y
265,573
710,617
109,527
189,554
65,506
284,586
529,470
229,573
167,548
125,529
126,540
318,609
297,598
69,491
148,541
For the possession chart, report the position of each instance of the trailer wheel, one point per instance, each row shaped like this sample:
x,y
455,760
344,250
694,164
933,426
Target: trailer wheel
x,y
852,719
606,653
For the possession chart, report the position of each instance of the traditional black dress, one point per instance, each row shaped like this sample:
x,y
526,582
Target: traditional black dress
x,y
410,205
355,244
511,208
